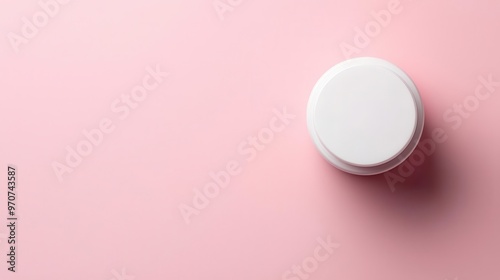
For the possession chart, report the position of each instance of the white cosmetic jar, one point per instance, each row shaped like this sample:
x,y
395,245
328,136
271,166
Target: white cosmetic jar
x,y
365,116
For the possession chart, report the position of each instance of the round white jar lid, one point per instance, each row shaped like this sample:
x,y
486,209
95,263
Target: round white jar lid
x,y
365,115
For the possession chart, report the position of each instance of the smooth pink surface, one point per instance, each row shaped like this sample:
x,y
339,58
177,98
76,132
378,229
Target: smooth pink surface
x,y
120,207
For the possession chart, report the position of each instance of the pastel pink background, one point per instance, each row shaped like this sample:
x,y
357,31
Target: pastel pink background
x,y
119,208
